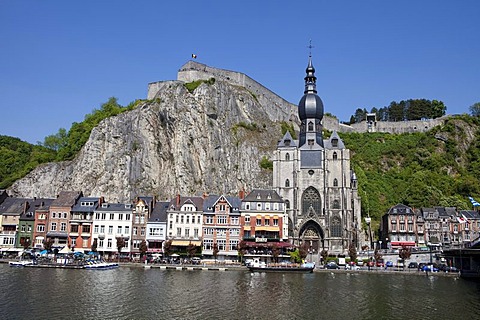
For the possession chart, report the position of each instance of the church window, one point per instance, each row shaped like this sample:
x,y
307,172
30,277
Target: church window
x,y
310,126
287,142
336,227
287,204
287,183
335,182
287,157
335,142
335,156
311,202
336,204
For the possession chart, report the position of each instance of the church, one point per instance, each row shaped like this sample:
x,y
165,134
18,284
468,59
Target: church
x,y
314,177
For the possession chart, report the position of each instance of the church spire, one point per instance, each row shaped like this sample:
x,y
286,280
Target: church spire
x,y
310,79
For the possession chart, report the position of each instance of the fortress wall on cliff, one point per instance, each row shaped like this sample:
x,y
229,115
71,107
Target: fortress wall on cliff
x,y
281,108
192,71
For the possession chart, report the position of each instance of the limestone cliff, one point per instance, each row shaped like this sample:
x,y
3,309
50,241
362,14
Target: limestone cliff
x,y
208,140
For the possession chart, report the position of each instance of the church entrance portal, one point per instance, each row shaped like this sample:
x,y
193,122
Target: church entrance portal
x,y
312,235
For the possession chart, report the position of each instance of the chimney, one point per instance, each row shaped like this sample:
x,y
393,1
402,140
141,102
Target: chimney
x,y
241,194
205,195
178,199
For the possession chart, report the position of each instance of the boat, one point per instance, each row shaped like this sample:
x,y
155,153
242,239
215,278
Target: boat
x,y
257,266
21,263
99,264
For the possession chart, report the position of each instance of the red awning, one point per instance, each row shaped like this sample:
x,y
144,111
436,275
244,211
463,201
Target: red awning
x,y
268,244
403,243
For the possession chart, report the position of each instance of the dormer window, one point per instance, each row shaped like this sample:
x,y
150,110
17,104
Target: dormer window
x,y
104,205
258,196
287,142
334,142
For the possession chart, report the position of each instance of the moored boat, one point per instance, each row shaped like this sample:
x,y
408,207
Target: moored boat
x,y
21,263
281,267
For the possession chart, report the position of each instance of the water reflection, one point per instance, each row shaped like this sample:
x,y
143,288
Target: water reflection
x,y
135,293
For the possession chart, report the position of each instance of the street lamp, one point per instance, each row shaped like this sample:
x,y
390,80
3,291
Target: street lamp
x,y
368,220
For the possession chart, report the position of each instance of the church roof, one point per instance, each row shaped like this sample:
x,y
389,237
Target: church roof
x,y
287,141
310,105
330,143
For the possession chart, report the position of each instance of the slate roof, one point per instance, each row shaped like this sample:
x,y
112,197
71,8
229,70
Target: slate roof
x,y
400,209
159,212
211,200
263,195
34,205
66,199
115,207
13,206
287,136
79,208
196,201
328,143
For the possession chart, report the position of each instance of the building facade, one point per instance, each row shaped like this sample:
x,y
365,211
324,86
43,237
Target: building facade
x,y
314,177
221,227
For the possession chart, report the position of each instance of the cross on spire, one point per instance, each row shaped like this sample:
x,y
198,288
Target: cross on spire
x,y
310,47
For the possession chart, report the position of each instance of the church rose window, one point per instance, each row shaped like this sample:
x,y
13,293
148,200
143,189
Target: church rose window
x,y
311,201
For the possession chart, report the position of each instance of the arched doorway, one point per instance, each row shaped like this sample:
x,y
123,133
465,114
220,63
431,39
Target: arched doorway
x,y
312,234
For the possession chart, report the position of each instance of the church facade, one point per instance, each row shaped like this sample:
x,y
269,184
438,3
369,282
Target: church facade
x,y
314,177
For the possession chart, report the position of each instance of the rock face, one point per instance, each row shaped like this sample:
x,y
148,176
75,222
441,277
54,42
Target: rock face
x,y
208,140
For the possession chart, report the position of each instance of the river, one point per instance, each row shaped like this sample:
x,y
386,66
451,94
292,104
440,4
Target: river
x,y
137,293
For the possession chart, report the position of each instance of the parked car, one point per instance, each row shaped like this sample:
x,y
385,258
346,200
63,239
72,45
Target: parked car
x,y
332,265
380,263
421,265
430,267
413,265
389,264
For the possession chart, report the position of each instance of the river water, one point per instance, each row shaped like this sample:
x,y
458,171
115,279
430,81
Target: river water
x,y
137,293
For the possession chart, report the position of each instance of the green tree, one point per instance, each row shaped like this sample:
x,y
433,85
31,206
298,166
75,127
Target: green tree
x,y
120,245
48,244
275,252
94,245
168,248
191,250
324,254
475,109
242,249
215,251
404,254
438,109
352,252
56,141
143,248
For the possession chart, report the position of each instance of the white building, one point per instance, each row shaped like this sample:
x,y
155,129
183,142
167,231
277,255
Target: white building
x,y
185,221
112,221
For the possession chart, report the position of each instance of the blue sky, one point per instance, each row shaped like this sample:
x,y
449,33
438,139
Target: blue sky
x,y
61,59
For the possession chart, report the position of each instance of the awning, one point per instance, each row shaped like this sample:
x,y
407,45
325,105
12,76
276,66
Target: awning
x,y
403,243
267,228
184,243
269,244
247,228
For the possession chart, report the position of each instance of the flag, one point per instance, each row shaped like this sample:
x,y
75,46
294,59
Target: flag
x,y
465,219
461,220
474,202
194,56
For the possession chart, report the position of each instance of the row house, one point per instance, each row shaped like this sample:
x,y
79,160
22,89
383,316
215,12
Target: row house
x,y
40,223
111,222
142,209
264,223
11,209
184,219
26,227
435,227
157,228
399,227
221,226
59,218
81,223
